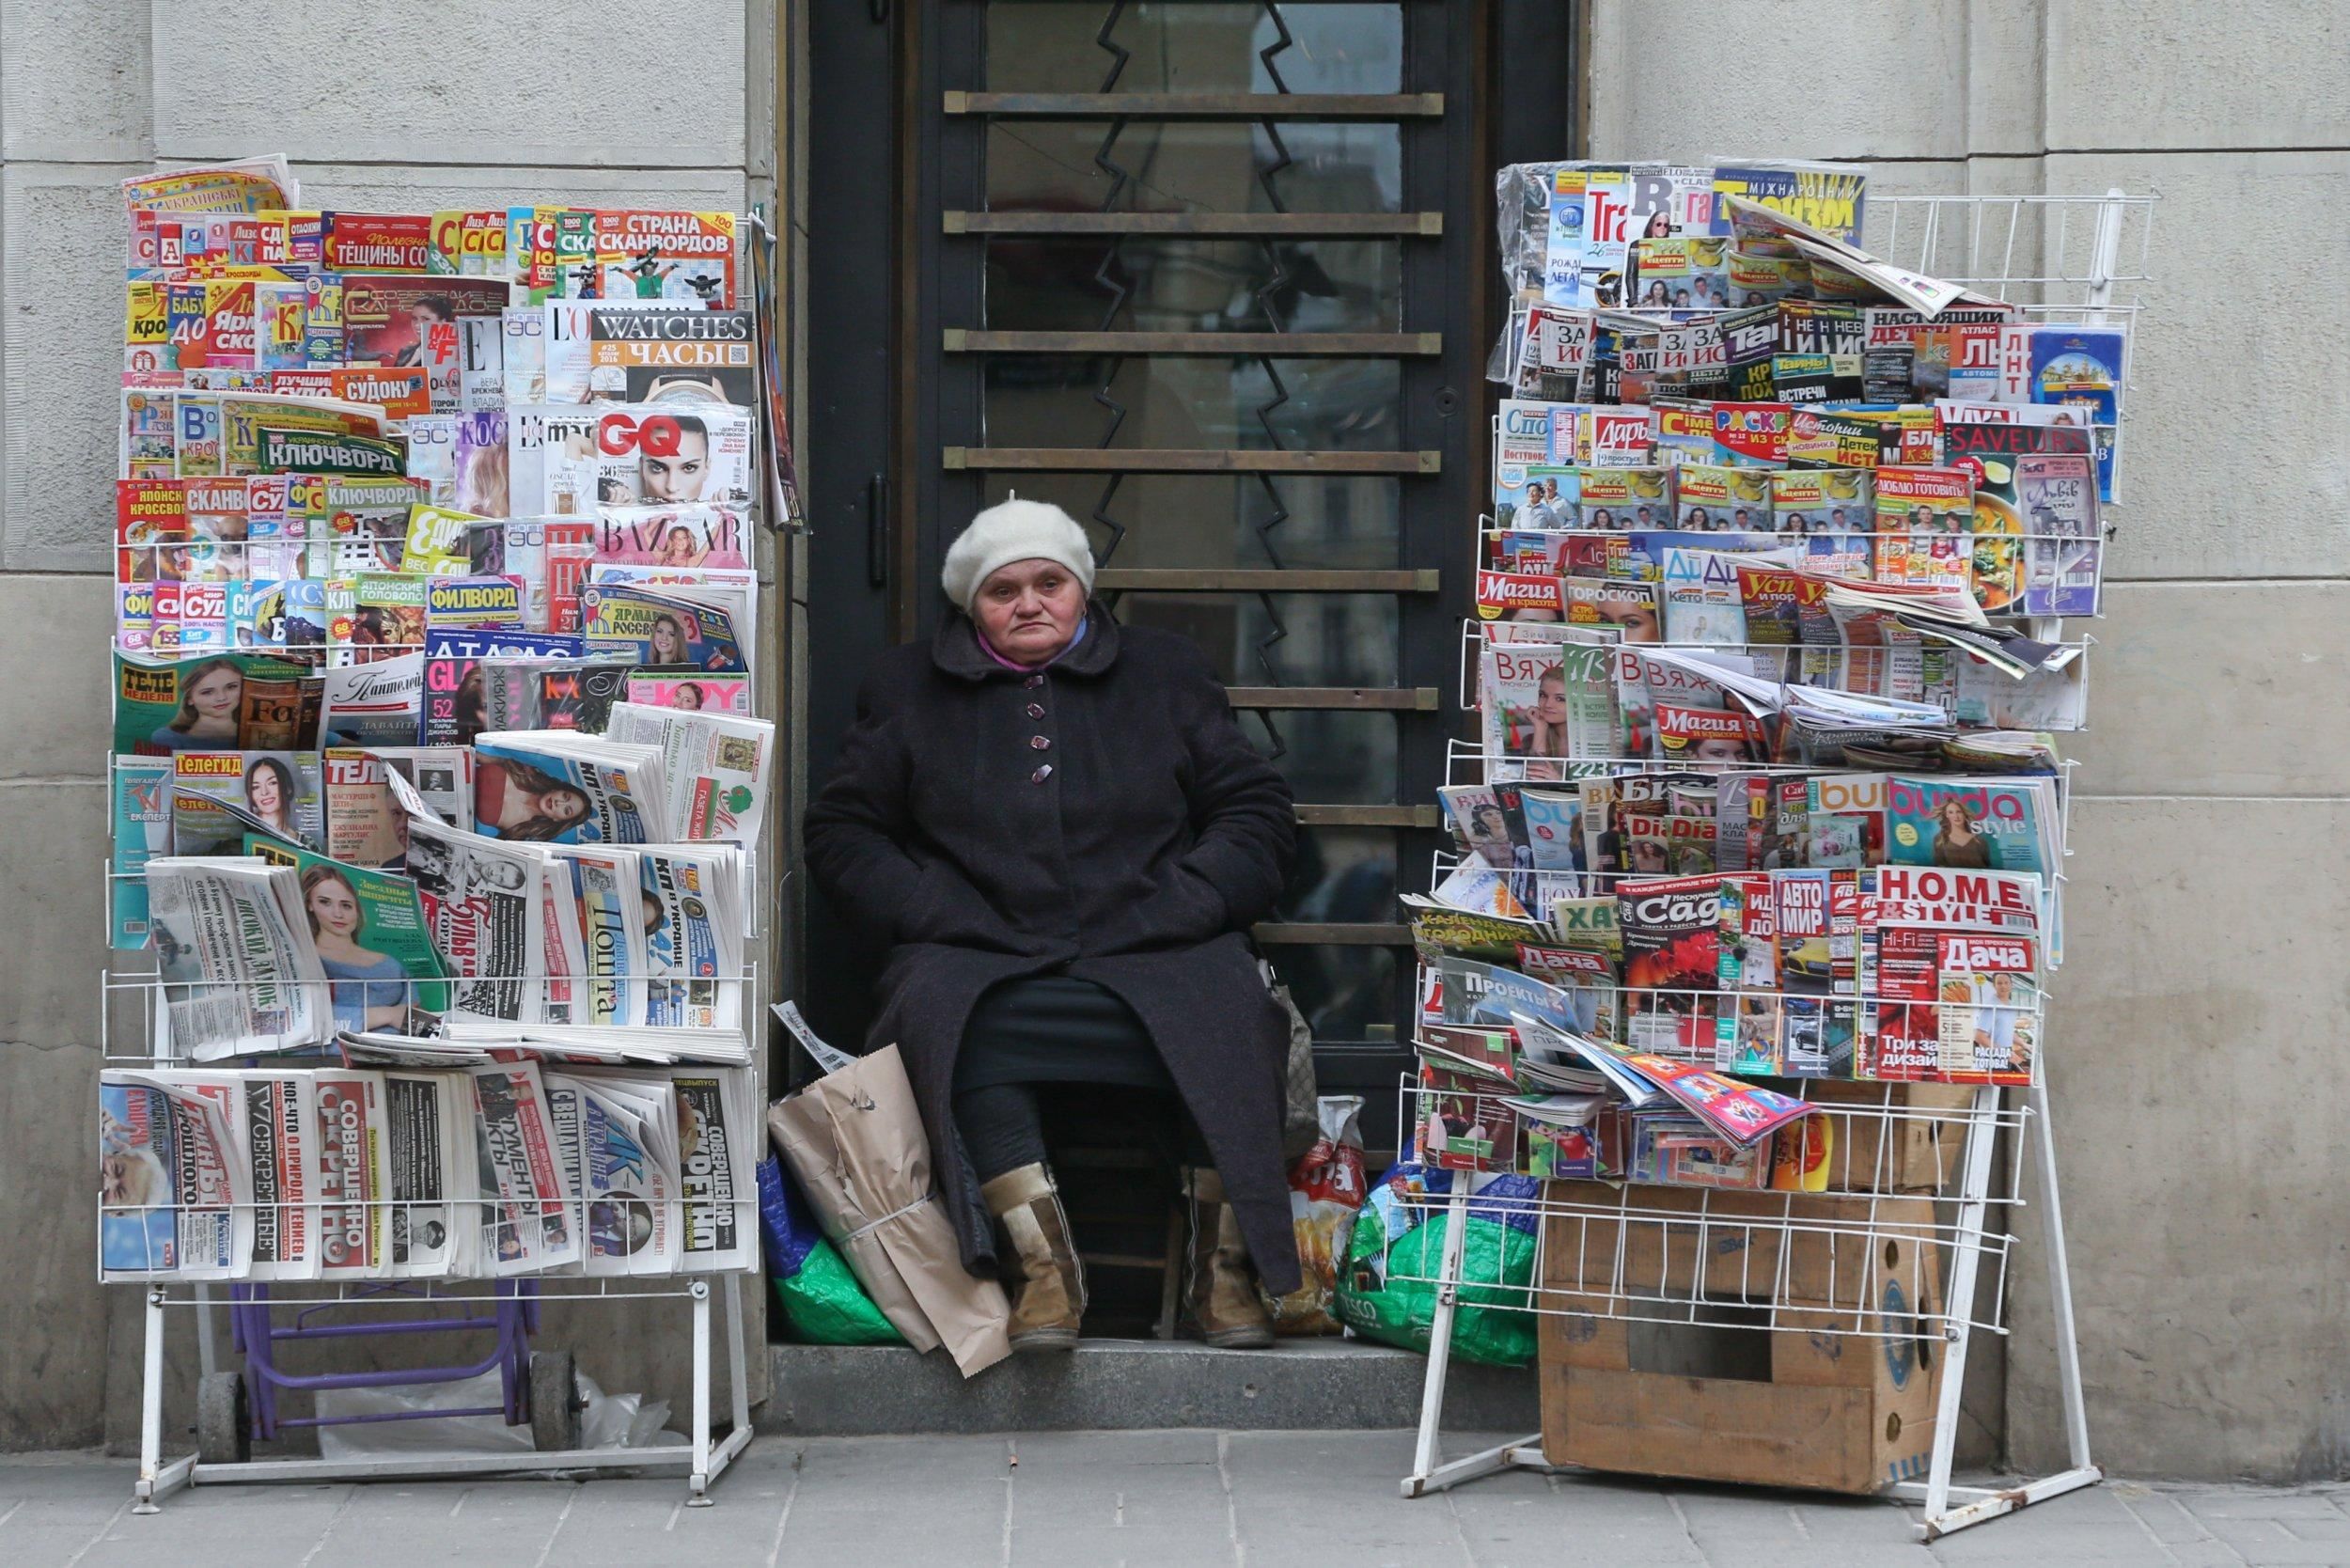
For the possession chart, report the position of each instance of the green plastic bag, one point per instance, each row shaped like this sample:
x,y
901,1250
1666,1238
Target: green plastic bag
x,y
823,1304
819,1296
1386,1292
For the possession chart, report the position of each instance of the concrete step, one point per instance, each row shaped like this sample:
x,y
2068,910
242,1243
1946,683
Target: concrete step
x,y
1124,1385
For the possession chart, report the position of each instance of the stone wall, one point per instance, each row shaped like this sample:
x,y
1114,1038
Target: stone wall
x,y
387,108
2195,1031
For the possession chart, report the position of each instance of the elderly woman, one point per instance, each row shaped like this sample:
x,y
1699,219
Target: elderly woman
x,y
1056,828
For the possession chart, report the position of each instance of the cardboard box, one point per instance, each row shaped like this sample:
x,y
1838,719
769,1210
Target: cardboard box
x,y
1877,1153
1842,1412
1675,1243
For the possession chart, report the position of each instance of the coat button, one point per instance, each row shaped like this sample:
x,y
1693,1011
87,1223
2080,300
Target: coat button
x,y
1041,743
1033,682
1035,710
1041,774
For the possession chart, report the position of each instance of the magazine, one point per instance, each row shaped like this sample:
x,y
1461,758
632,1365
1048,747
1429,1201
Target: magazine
x,y
716,1150
689,691
1702,601
718,768
365,824
555,785
676,537
527,1206
374,704
455,706
375,615
1671,942
661,456
171,1180
241,975
140,805
1950,970
371,935
661,628
1545,700
278,789
607,887
228,702
2056,496
678,356
694,948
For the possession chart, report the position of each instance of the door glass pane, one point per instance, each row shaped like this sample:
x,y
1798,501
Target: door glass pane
x,y
1209,520
1344,875
1150,283
1343,992
1040,46
1078,165
1309,405
1327,639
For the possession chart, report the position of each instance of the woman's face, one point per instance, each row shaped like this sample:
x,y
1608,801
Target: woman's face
x,y
1953,816
1030,609
261,788
678,546
563,804
679,477
689,696
1637,622
333,908
1648,855
669,647
1720,748
1550,699
216,693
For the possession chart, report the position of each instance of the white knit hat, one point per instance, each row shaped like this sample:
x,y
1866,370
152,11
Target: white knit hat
x,y
1015,530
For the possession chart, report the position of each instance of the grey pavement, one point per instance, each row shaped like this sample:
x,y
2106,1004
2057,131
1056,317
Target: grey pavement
x,y
1256,1499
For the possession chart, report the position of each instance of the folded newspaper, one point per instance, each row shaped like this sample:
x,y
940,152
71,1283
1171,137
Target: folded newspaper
x,y
241,971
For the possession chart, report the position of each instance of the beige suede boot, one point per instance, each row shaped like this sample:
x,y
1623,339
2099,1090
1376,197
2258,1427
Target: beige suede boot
x,y
1051,1294
1222,1281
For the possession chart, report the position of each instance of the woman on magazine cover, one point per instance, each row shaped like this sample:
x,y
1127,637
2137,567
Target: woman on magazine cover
x,y
1058,829
1957,844
371,989
269,794
211,697
513,800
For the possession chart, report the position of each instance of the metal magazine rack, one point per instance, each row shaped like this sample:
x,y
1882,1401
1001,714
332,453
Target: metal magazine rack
x,y
496,1314
1910,1255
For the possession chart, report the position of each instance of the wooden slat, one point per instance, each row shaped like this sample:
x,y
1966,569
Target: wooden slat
x,y
1391,699
1198,106
1208,225
1185,460
1286,935
1277,345
1367,815
1177,579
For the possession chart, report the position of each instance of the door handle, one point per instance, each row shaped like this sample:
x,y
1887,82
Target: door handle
x,y
877,532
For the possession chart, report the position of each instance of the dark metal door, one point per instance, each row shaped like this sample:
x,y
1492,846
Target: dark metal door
x,y
1211,276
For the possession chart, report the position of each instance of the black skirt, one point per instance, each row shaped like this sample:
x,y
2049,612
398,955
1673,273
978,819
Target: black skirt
x,y
1056,1029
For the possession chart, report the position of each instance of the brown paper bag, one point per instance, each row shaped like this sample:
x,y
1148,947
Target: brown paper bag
x,y
854,1141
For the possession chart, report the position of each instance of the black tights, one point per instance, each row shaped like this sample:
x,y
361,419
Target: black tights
x,y
1003,1124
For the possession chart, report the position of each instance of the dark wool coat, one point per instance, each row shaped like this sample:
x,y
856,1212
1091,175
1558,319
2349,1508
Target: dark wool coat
x,y
1104,818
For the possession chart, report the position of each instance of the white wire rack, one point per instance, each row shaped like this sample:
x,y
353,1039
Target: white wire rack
x,y
1793,1262
132,997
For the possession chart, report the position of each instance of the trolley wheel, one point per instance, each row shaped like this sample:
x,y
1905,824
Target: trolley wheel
x,y
555,1401
223,1428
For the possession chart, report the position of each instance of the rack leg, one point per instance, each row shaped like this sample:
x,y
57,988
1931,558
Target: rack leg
x,y
697,1482
1974,1192
151,1411
738,1367
1425,1454
206,1358
2060,1287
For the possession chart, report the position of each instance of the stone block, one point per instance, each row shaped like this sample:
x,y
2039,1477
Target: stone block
x,y
2175,73
364,187
2229,401
55,632
2217,688
53,851
61,303
1673,75
52,1327
74,81
2195,1045
466,84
